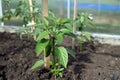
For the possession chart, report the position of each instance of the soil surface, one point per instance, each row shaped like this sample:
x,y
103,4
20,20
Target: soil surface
x,y
96,62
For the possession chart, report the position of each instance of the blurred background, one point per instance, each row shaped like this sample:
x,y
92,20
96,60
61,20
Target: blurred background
x,y
106,13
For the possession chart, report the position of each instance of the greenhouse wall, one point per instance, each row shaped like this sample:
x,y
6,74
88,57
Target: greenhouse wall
x,y
106,13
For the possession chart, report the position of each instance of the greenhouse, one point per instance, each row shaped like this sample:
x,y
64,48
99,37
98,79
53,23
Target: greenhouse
x,y
59,39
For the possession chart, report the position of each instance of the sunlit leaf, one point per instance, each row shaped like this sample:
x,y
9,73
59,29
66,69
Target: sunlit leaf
x,y
65,30
59,38
42,35
69,26
60,74
82,18
41,46
62,55
87,35
37,64
12,11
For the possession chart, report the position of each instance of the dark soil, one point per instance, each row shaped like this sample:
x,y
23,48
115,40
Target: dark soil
x,y
96,62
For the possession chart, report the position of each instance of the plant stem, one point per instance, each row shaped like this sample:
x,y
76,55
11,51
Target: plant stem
x,y
54,58
55,77
32,16
53,51
45,14
81,47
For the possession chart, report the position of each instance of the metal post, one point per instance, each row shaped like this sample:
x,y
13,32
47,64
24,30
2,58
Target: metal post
x,y
1,15
68,8
74,24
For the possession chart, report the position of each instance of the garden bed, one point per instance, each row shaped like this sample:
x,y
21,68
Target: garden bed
x,y
96,62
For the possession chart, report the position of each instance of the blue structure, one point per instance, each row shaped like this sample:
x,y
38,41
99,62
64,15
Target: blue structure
x,y
95,6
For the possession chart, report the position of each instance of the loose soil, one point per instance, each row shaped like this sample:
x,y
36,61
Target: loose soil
x,y
96,62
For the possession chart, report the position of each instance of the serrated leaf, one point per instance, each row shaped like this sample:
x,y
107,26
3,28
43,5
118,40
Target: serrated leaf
x,y
70,52
41,46
37,64
59,38
42,35
62,55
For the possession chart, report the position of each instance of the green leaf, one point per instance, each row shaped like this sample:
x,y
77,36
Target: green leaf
x,y
2,19
41,46
70,52
66,20
46,22
69,26
40,26
71,35
82,19
87,35
37,64
37,31
59,38
8,17
21,36
60,74
12,11
91,24
80,39
48,49
42,35
62,55
65,30
61,69
17,12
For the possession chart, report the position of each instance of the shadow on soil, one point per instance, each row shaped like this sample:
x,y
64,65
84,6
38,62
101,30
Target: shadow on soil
x,y
77,65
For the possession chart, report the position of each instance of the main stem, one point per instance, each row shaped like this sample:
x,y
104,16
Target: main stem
x,y
74,24
31,11
53,51
45,14
54,58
